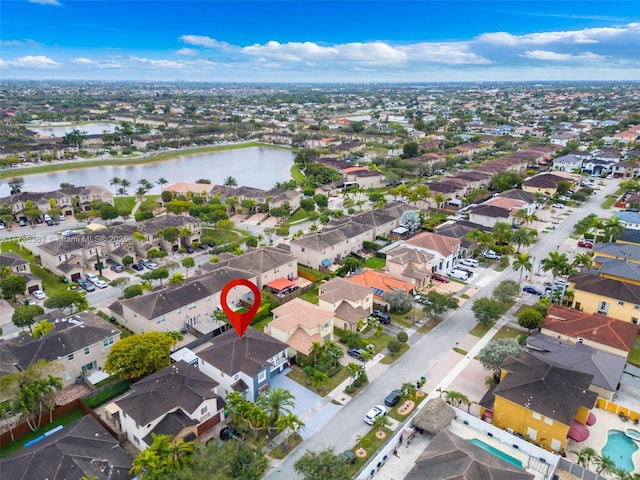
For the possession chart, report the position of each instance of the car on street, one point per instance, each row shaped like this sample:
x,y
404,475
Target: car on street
x,y
375,412
152,266
116,268
70,233
470,262
86,285
230,433
585,243
100,283
393,398
459,274
91,277
440,278
358,353
530,289
137,267
559,206
39,294
381,317
491,255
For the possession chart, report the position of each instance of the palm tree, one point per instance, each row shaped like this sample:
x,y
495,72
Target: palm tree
x,y
353,369
585,456
289,422
440,199
521,215
140,193
456,398
408,390
501,233
230,182
522,236
583,261
115,181
162,457
235,402
622,474
612,228
604,464
145,184
380,422
276,402
162,182
557,263
598,226
522,261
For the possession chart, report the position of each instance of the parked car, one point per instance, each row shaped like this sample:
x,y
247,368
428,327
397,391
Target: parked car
x,y
230,433
137,267
491,255
39,294
100,283
91,277
530,289
470,262
358,353
70,233
116,267
61,218
381,317
440,278
190,249
558,206
375,412
152,266
86,285
459,274
585,243
393,398
22,223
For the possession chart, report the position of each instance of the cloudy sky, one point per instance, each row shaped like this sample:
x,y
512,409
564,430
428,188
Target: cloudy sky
x,y
320,41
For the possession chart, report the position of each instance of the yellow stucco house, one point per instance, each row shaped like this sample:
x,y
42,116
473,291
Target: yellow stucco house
x,y
606,296
544,183
543,403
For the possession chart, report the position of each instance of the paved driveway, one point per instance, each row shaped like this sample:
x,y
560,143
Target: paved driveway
x,y
311,408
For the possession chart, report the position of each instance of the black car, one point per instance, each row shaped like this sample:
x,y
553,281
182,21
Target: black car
x,y
230,433
393,398
358,353
382,317
137,267
530,289
190,249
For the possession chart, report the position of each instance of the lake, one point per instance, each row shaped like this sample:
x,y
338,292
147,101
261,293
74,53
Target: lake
x,y
258,167
61,131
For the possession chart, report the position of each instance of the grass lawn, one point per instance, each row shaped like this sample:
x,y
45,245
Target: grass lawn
x,y
393,412
608,203
219,236
521,309
380,341
297,174
480,330
430,325
51,283
124,203
310,296
371,444
259,325
508,332
337,379
375,262
65,419
298,216
634,355
390,358
280,451
315,273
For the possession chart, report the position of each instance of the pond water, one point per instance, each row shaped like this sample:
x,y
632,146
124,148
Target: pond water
x,y
61,131
259,167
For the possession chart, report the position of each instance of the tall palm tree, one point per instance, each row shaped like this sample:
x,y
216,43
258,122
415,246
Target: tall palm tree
x,y
598,226
557,263
612,228
115,181
583,261
501,233
289,422
585,456
276,402
140,193
522,261
522,237
353,369
522,215
234,401
604,464
230,182
163,456
162,182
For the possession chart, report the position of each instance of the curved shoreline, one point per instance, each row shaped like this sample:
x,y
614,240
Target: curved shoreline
x,y
141,160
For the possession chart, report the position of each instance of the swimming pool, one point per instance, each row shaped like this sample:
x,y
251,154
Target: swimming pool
x,y
620,449
497,453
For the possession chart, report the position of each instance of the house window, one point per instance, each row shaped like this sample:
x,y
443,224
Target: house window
x,y
635,320
87,351
136,440
603,307
160,319
192,306
107,341
203,410
636,307
325,326
262,376
620,303
548,421
70,357
67,376
536,416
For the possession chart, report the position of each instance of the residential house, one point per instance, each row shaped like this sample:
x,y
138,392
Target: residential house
x,y
568,163
78,344
268,264
527,197
179,401
190,231
540,401
244,364
617,269
444,249
605,296
380,283
630,220
348,301
511,204
20,266
410,265
189,189
598,331
606,368
299,324
625,170
84,196
82,449
629,237
459,230
193,303
544,183
69,257
488,215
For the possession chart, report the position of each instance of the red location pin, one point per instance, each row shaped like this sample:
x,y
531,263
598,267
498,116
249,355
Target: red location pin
x,y
240,321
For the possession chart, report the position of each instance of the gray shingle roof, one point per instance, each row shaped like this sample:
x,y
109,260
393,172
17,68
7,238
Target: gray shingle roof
x,y
606,287
11,259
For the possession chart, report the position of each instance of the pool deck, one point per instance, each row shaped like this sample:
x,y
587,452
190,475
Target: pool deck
x,y
598,434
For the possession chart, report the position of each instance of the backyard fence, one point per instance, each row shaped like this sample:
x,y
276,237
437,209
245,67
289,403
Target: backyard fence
x,y
578,471
623,412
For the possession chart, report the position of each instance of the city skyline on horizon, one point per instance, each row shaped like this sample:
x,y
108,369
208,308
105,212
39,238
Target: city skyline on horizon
x,y
320,42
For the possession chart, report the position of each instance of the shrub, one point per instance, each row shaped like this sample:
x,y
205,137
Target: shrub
x,y
402,336
370,246
394,346
127,260
132,291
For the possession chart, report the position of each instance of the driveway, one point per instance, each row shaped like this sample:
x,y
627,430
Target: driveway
x,y
311,408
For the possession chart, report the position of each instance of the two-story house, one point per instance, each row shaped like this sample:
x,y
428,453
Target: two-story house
x,y
605,296
243,364
190,230
70,256
348,301
299,324
543,183
179,401
444,249
410,265
20,266
78,345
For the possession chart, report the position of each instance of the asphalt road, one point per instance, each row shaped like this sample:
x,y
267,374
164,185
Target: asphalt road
x,y
346,425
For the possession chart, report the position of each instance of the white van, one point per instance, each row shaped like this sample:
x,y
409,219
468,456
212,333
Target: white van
x,y
459,274
470,262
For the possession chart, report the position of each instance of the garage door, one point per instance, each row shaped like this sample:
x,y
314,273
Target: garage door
x,y
75,276
33,288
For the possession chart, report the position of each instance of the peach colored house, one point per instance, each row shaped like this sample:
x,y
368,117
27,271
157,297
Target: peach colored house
x,y
410,265
380,283
298,324
348,301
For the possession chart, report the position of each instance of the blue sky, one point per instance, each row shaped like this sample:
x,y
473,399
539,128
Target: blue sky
x,y
325,41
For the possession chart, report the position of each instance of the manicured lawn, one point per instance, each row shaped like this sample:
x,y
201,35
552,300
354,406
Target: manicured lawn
x,y
279,453
259,325
65,419
389,358
297,174
375,263
508,332
337,379
480,330
124,203
219,236
51,283
299,215
311,296
316,273
634,355
371,444
393,412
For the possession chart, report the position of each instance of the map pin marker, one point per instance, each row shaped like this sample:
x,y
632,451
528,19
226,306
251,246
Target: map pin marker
x,y
240,321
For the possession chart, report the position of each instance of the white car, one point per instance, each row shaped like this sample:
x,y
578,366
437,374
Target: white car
x,y
375,412
559,206
492,255
92,278
152,266
39,294
470,262
100,283
70,233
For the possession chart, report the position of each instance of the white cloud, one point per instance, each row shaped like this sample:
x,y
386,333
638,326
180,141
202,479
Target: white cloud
x,y
20,43
189,52
554,56
83,61
54,3
31,61
207,42
586,36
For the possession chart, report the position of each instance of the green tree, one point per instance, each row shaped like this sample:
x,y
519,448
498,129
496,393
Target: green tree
x,y
230,182
177,279
398,300
585,456
187,263
505,181
139,355
24,315
157,274
74,300
494,353
522,237
604,464
505,291
557,263
121,283
322,465
530,319
109,212
438,303
75,137
394,347
487,310
42,328
322,201
522,261
276,402
162,458
410,150
132,291
408,390
13,285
